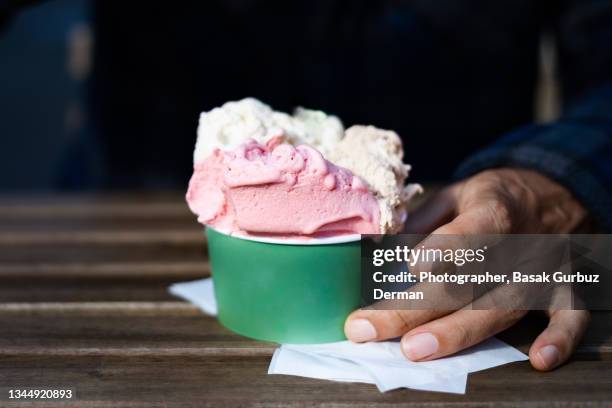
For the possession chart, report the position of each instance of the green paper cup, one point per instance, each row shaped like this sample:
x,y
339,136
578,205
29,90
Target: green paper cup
x,y
285,291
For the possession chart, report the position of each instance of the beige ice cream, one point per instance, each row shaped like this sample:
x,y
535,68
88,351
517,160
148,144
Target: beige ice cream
x,y
376,156
373,154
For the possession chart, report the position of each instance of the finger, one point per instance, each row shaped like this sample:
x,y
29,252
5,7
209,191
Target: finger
x,y
557,342
368,325
473,228
467,227
470,230
489,217
456,332
435,212
461,233
371,325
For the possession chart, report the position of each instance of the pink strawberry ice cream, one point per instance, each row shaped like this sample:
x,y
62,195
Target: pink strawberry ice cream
x,y
279,189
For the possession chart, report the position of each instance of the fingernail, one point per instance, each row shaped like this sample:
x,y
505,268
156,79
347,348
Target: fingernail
x,y
549,355
420,346
359,330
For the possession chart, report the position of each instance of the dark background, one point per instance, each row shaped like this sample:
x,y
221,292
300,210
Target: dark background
x,y
106,95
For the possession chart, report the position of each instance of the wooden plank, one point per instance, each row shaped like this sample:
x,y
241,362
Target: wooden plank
x,y
153,329
112,310
154,237
92,199
105,270
108,212
112,281
173,327
132,251
16,225
243,381
46,290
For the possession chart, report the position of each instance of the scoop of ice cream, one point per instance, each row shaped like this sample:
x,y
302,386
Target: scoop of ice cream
x,y
376,156
373,154
277,188
233,123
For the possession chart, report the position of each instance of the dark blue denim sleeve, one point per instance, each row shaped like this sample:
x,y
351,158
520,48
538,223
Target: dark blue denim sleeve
x,y
576,151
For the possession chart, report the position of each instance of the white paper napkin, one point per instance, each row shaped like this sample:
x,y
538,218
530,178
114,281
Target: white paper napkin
x,y
380,363
200,292
292,360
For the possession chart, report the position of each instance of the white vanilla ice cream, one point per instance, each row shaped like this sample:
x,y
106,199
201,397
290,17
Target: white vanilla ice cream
x,y
234,122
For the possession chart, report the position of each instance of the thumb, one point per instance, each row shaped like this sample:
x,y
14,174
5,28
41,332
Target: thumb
x,y
371,325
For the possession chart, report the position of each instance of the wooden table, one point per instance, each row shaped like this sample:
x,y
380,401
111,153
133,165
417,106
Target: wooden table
x,y
84,304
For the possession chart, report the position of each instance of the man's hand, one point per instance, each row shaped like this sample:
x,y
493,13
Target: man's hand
x,y
500,201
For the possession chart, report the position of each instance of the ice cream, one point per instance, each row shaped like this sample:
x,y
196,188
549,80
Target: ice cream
x,y
235,122
283,190
376,156
257,171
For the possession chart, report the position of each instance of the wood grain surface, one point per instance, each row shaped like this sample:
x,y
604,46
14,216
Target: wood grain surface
x,y
84,304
